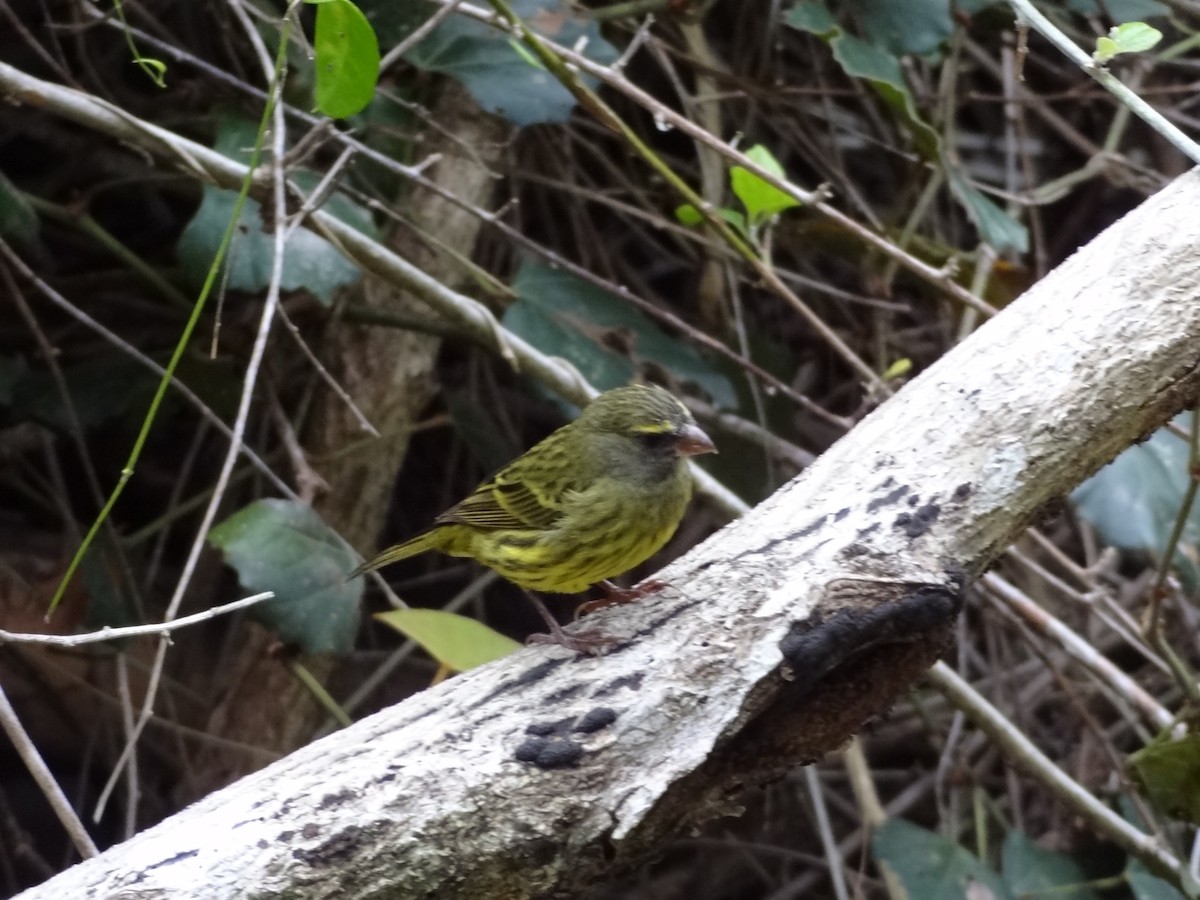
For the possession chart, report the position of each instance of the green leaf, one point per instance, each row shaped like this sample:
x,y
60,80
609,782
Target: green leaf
x,y
17,218
347,59
309,262
761,200
735,219
284,547
996,228
1149,887
553,331
235,137
932,867
905,27
812,16
601,335
455,641
1132,37
1035,873
1168,769
499,78
1133,501
882,72
765,159
1106,49
690,216
898,369
156,69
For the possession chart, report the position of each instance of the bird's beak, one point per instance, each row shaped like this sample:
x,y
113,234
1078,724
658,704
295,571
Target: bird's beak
x,y
693,442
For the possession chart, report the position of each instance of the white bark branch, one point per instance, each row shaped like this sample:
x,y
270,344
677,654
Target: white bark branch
x,y
108,633
781,634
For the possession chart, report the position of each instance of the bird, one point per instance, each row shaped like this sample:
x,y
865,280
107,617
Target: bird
x,y
589,502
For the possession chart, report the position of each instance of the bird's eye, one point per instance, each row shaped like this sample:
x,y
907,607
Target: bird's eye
x,y
656,440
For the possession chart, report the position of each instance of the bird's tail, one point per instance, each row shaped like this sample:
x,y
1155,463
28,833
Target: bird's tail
x,y
425,541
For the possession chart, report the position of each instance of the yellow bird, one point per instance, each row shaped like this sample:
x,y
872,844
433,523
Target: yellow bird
x,y
591,501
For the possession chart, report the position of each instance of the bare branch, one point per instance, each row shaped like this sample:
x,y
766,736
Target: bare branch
x,y
128,631
782,633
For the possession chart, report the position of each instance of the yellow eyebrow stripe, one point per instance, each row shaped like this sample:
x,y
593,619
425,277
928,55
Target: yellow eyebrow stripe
x,y
653,428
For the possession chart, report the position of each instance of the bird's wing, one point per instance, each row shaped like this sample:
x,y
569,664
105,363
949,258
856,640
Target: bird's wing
x,y
503,502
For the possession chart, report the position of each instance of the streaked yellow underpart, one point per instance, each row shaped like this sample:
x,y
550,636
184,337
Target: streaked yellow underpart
x,y
597,539
562,568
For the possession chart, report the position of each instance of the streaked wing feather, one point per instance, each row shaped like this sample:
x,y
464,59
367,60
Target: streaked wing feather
x,y
503,503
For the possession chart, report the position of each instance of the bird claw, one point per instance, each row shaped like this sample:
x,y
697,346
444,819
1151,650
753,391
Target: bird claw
x,y
618,596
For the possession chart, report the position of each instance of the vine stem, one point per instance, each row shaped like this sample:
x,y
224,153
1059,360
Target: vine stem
x,y
1028,13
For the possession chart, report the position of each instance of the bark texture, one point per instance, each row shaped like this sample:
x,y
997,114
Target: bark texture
x,y
543,772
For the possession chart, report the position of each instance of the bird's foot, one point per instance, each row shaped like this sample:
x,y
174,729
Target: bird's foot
x,y
593,642
618,596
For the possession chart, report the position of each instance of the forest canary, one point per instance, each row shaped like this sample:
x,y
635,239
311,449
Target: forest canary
x,y
594,499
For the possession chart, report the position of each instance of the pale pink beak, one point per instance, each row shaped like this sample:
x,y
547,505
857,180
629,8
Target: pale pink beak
x,y
694,442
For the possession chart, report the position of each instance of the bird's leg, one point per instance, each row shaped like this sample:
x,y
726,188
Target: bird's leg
x,y
617,596
593,642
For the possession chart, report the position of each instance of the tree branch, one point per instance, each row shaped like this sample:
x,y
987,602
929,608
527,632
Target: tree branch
x,y
781,634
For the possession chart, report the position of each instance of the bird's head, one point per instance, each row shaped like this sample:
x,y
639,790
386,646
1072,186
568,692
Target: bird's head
x,y
647,421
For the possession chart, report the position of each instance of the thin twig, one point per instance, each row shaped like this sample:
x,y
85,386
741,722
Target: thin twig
x,y
833,861
325,375
132,782
1021,752
308,479
1027,12
162,629
873,814
276,75
45,779
1084,652
419,34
